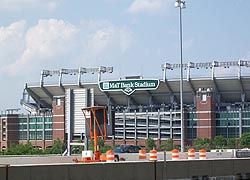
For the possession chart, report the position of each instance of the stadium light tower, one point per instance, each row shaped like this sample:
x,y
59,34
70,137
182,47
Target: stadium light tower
x,y
181,5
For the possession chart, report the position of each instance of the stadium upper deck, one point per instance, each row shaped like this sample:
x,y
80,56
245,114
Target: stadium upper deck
x,y
227,89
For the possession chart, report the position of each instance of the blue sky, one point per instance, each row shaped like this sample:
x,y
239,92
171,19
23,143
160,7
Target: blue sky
x,y
133,36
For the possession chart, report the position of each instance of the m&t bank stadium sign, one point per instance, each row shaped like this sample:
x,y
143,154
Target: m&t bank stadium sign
x,y
129,86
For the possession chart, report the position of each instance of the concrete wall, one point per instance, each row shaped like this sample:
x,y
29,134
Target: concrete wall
x,y
3,172
107,171
181,169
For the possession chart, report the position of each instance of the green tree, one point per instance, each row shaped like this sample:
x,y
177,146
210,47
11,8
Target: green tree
x,y
231,143
245,140
150,144
219,142
57,148
167,145
77,149
202,143
23,149
101,144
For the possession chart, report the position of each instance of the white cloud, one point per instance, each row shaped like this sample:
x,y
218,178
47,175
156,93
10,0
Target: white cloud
x,y
102,40
15,29
12,42
149,6
109,37
44,44
14,5
58,44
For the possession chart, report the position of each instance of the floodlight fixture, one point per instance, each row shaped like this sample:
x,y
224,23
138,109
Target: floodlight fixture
x,y
180,4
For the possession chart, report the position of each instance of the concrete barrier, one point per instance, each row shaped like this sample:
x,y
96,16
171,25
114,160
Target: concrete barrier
x,y
182,169
197,168
4,171
93,171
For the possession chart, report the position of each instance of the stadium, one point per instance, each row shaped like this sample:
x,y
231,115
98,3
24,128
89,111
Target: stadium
x,y
137,108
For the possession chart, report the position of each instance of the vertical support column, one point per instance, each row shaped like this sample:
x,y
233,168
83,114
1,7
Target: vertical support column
x,y
239,69
171,124
189,65
188,72
159,125
164,75
128,98
41,79
242,96
79,77
109,112
240,122
212,77
28,128
135,124
164,68
150,100
69,103
99,73
147,126
194,100
172,100
60,78
43,133
124,125
214,64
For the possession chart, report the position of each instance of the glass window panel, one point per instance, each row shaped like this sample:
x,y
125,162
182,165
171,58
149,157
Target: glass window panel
x,y
39,126
48,135
32,119
39,119
48,126
32,135
32,126
39,135
48,119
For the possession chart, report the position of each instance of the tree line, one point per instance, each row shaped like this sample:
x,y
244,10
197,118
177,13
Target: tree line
x,y
218,142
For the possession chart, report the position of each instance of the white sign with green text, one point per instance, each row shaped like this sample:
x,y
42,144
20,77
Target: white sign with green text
x,y
129,86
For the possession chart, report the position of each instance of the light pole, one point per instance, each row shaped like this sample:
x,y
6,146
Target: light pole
x,y
181,5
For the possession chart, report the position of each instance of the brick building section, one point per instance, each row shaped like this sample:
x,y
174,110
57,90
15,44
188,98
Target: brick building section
x,y
58,118
205,114
9,127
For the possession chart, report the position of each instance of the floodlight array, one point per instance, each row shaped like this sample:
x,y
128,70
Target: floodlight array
x,y
79,72
206,65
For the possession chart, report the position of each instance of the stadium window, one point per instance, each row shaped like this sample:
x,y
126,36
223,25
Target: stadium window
x,y
48,126
3,137
32,135
39,135
48,119
48,135
58,101
203,97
